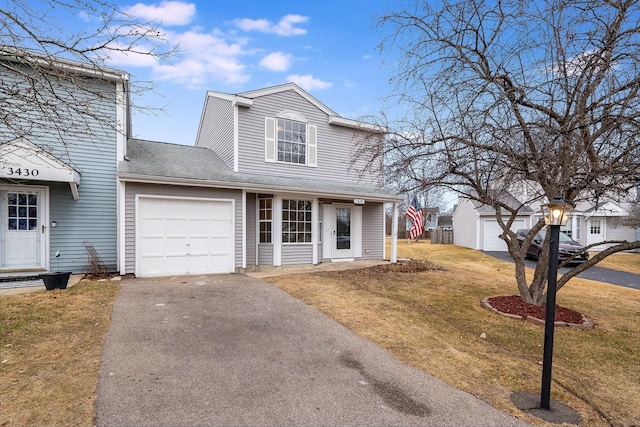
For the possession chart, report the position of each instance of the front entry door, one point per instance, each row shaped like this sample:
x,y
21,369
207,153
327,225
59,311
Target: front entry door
x,y
343,244
23,228
595,232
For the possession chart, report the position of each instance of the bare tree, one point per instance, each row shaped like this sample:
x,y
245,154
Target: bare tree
x,y
44,82
534,98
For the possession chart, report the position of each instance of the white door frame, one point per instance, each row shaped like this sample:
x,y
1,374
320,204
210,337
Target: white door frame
x,y
600,236
343,254
42,229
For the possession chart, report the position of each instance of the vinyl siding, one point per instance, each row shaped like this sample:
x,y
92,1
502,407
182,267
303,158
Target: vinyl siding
x,y
465,225
90,148
297,254
335,143
216,130
265,254
176,191
372,235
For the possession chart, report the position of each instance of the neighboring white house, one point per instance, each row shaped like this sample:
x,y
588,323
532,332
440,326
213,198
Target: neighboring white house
x,y
477,227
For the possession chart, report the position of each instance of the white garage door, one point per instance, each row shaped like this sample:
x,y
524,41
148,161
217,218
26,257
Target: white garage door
x,y
492,231
183,236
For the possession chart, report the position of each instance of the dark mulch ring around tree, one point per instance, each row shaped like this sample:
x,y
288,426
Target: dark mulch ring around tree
x,y
514,306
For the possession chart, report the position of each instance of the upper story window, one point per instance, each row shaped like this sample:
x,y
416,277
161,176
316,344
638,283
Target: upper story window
x,y
292,141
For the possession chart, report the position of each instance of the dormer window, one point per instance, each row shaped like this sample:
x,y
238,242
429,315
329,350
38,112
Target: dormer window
x,y
290,139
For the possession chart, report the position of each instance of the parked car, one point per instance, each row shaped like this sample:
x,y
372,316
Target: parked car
x,y
567,246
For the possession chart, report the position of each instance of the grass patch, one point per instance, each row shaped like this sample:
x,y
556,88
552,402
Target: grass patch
x,y
432,320
623,261
50,344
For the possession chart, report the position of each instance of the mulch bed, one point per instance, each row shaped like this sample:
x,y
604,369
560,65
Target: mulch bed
x,y
513,305
412,266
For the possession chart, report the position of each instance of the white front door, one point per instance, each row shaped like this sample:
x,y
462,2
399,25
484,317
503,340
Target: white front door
x,y
343,233
595,232
23,216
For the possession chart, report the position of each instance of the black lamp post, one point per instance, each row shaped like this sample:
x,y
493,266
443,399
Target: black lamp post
x,y
556,213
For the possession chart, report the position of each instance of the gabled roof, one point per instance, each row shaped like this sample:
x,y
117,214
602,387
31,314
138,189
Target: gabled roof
x,y
158,162
245,99
506,198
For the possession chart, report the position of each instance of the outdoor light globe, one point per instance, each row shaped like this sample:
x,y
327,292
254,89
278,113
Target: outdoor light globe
x,y
557,211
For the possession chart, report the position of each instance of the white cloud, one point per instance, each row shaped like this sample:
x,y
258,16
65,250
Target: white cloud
x,y
308,82
167,12
203,58
285,27
276,61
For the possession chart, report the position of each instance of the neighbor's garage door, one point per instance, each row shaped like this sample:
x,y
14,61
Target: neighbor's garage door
x,y
183,236
491,232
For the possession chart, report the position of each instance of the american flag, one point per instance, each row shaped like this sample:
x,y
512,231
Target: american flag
x,y
416,217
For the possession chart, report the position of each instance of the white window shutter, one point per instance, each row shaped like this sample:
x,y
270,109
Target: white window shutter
x,y
269,139
312,146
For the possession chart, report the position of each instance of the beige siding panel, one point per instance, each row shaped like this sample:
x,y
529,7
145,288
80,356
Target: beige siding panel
x,y
372,226
297,254
176,191
216,132
334,143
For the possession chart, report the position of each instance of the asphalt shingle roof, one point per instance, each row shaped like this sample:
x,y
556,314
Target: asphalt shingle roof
x,y
173,162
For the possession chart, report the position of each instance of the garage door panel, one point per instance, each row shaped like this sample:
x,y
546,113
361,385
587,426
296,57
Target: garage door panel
x,y
180,236
151,227
492,231
152,246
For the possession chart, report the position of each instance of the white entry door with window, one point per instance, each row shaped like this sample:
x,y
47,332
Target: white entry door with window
x,y
343,245
595,232
23,211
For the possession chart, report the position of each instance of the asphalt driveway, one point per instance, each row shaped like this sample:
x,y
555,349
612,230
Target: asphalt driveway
x,y
235,350
599,274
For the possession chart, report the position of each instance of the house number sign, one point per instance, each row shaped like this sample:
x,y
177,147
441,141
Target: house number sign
x,y
20,171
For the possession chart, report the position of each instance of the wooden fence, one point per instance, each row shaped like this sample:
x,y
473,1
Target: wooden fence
x,y
440,236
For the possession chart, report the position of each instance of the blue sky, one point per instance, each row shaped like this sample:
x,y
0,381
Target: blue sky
x,y
327,47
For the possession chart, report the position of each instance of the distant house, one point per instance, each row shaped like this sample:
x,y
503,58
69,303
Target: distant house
x,y
431,218
477,227
445,222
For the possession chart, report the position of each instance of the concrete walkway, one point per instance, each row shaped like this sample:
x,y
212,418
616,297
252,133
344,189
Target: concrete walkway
x,y
234,350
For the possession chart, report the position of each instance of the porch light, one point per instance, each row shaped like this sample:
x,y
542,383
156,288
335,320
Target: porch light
x,y
557,211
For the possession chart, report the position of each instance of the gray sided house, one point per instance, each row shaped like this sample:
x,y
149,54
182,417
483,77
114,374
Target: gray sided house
x,y
58,184
271,182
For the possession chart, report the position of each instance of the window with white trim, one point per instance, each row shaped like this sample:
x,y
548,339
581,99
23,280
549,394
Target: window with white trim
x,y
265,219
289,139
296,221
292,141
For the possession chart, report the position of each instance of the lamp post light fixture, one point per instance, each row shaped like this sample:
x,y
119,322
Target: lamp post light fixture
x,y
556,213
